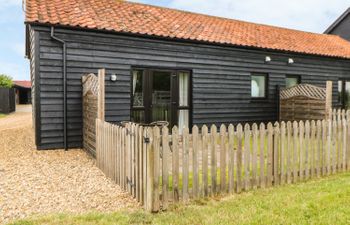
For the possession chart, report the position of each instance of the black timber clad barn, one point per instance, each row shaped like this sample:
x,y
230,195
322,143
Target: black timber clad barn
x,y
220,84
341,26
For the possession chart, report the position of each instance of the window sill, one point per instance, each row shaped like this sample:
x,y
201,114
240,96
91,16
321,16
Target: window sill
x,y
253,100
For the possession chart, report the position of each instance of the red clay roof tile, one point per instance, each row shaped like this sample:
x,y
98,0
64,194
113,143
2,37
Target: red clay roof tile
x,y
135,18
22,83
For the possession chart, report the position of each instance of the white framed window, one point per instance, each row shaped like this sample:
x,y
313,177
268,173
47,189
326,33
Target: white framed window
x,y
259,85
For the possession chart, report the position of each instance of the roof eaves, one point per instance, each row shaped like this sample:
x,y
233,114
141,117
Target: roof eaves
x,y
186,40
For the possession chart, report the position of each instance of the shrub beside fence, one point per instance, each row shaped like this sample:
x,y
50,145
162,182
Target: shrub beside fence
x,y
159,167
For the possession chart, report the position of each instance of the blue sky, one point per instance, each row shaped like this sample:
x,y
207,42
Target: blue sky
x,y
308,15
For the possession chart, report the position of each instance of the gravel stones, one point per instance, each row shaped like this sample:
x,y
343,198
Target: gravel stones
x,y
44,182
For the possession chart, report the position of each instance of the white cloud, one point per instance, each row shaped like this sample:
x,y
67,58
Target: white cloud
x,y
8,3
308,15
18,71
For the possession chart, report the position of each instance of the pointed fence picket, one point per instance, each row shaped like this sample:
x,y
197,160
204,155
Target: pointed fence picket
x,y
158,166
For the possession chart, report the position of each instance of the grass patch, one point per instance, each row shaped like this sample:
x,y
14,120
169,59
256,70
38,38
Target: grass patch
x,y
2,115
322,201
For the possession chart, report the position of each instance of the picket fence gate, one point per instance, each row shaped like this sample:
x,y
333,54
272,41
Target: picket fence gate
x,y
159,167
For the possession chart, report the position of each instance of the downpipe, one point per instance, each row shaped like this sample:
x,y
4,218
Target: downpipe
x,y
64,48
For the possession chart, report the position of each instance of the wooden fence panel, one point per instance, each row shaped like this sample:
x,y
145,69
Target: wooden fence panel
x,y
231,158
223,159
205,167
262,136
185,164
213,132
246,151
143,161
196,144
239,157
165,167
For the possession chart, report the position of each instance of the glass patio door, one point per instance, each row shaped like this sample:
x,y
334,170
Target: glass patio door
x,y
344,93
161,95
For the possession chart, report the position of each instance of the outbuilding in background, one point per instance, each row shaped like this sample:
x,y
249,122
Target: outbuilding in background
x,y
23,91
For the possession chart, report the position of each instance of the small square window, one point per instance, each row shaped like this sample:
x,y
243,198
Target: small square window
x,y
292,81
258,85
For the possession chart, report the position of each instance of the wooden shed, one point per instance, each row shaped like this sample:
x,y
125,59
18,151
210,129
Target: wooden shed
x,y
165,64
23,91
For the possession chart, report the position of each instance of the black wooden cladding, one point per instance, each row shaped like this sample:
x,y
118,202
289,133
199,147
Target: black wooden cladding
x,y
221,78
341,27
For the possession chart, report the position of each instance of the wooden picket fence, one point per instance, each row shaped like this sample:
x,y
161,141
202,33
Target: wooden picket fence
x,y
159,167
120,155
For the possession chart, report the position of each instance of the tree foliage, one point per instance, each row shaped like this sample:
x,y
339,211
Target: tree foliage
x,y
6,81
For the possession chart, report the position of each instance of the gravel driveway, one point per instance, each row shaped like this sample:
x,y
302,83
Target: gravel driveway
x,y
40,182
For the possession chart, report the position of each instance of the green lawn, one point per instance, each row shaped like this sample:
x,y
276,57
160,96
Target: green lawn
x,y
2,115
322,201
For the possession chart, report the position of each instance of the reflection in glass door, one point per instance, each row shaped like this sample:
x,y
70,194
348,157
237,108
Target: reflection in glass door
x,y
161,96
344,93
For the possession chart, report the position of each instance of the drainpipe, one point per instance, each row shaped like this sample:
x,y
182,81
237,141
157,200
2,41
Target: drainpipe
x,y
64,86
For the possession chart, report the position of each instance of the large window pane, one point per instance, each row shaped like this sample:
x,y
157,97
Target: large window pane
x,y
137,88
258,84
161,96
292,81
183,119
183,89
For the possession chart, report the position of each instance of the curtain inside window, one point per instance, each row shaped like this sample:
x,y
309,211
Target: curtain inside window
x,y
183,119
134,80
183,89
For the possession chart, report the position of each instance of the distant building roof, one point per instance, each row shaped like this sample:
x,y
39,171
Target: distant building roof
x,y
141,19
22,83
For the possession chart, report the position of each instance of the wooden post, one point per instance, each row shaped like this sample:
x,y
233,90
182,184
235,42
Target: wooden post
x,y
165,163
275,160
269,154
175,163
101,95
282,152
255,134
185,164
213,133
231,158
195,149
329,89
205,138
246,153
152,194
262,136
223,158
239,157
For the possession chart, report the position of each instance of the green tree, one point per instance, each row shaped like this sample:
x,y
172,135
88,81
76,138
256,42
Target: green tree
x,y
5,81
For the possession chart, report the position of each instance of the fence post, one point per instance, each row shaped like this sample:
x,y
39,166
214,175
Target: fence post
x,y
150,170
101,94
152,165
329,90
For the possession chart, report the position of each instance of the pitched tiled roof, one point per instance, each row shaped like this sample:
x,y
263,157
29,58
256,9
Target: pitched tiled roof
x,y
135,18
22,83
